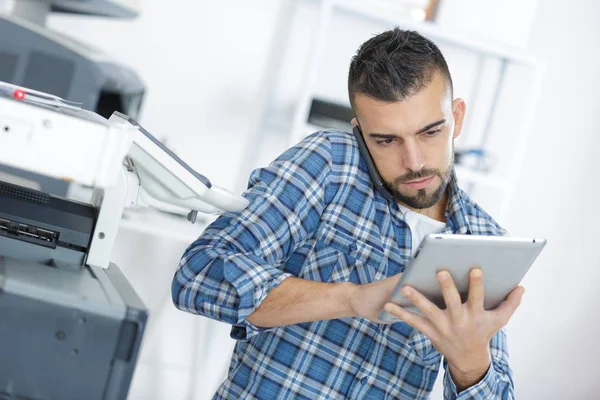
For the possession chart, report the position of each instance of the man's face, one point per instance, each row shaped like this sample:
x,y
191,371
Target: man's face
x,y
412,141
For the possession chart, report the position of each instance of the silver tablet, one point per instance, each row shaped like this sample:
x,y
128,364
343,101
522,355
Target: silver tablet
x,y
503,260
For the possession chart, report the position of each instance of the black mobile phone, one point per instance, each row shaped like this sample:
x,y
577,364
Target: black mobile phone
x,y
373,172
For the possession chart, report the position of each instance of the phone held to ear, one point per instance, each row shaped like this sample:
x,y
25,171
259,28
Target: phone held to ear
x,y
375,177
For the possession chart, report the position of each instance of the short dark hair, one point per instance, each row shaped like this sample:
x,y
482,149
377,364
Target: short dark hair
x,y
394,65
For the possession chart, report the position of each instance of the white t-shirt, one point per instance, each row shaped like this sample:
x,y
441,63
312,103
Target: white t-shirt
x,y
420,226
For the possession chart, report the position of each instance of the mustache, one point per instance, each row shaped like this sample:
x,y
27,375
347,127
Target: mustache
x,y
417,175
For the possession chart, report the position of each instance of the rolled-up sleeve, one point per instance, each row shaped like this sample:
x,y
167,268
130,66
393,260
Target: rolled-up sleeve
x,y
228,271
496,384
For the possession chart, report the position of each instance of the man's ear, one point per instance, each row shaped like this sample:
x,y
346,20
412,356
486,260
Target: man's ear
x,y
354,121
459,108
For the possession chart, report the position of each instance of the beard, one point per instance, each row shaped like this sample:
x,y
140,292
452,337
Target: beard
x,y
421,199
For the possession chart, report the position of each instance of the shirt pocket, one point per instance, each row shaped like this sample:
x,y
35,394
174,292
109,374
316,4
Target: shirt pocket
x,y
339,257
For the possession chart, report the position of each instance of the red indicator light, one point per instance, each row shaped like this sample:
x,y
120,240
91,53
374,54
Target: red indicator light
x,y
19,94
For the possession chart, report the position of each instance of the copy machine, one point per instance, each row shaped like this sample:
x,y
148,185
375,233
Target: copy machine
x,y
38,56
71,324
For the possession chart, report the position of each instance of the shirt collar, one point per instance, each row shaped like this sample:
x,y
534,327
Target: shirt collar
x,y
456,215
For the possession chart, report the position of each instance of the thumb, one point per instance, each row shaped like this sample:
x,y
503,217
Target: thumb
x,y
508,307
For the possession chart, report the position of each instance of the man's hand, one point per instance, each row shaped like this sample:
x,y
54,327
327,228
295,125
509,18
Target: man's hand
x,y
461,332
368,300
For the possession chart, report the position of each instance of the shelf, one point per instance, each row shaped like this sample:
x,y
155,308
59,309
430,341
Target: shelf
x,y
167,226
296,123
467,175
434,32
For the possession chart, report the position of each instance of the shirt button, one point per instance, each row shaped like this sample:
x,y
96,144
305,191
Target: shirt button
x,y
363,380
353,247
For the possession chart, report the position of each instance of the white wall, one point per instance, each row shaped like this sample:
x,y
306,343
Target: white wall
x,y
554,336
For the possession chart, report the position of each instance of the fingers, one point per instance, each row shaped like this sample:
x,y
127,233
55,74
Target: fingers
x,y
427,308
450,293
506,310
386,286
476,292
414,320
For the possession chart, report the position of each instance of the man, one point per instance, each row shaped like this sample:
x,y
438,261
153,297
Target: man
x,y
303,273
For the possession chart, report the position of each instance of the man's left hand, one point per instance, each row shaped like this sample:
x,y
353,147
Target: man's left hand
x,y
462,332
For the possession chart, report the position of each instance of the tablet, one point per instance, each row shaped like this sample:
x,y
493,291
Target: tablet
x,y
503,260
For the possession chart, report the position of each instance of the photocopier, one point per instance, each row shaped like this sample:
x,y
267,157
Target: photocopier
x,y
71,325
35,53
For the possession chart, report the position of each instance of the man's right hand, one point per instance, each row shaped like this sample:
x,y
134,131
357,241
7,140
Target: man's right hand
x,y
368,300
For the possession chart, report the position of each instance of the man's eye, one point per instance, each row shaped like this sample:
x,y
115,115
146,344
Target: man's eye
x,y
385,142
432,133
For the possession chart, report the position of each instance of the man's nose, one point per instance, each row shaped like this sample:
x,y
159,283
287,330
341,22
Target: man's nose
x,y
413,158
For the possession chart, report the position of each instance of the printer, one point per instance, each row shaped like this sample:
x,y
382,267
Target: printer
x,y
71,325
40,58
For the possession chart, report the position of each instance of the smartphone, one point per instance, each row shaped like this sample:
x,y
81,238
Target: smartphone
x,y
375,177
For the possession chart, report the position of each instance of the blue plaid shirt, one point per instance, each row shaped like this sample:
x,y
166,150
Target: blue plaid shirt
x,y
314,214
